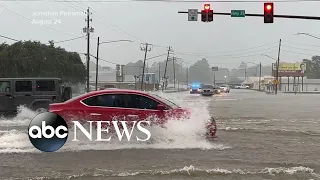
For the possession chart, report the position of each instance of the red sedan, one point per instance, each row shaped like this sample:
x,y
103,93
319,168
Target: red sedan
x,y
129,105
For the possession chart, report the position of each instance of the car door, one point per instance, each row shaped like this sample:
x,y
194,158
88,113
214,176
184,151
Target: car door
x,y
6,97
141,108
104,107
23,93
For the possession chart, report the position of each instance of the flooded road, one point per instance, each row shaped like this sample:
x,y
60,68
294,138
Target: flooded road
x,y
260,136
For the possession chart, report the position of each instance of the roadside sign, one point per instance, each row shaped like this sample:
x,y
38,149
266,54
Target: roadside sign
x,y
193,15
119,78
215,68
238,13
275,81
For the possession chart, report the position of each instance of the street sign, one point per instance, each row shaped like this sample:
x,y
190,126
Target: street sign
x,y
275,81
119,78
215,68
193,15
118,67
238,13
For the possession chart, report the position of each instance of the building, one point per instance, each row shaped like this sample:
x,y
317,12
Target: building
x,y
253,82
299,84
285,83
108,78
234,81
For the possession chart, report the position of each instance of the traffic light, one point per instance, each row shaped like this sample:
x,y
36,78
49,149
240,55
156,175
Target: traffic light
x,y
210,15
207,14
204,16
268,12
207,7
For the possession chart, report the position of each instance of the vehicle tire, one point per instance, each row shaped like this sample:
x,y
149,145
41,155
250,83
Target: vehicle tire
x,y
41,110
40,107
67,93
211,130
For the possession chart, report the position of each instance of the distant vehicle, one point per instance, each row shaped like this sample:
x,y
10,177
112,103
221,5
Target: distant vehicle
x,y
195,88
130,105
225,88
207,90
242,87
35,93
108,86
217,89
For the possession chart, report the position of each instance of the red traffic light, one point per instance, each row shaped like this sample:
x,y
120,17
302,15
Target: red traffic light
x,y
207,7
268,7
268,12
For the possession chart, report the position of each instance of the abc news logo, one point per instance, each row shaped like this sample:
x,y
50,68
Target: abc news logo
x,y
48,132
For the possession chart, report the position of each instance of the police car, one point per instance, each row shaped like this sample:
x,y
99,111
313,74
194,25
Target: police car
x,y
195,88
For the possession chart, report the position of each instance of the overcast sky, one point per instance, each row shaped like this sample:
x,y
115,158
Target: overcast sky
x,y
160,24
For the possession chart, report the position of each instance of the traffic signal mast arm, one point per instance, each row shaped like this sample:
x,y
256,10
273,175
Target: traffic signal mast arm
x,y
262,15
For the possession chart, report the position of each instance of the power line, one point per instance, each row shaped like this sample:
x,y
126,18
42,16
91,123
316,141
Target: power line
x,y
297,52
69,39
254,47
248,54
174,1
45,43
104,21
302,44
103,18
301,48
9,38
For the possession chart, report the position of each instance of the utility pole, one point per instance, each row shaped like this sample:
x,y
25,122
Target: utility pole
x,y
277,75
159,77
88,30
145,83
97,66
245,72
187,76
144,48
214,78
174,73
165,69
260,78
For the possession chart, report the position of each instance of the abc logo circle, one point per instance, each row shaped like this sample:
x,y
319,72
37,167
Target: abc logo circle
x,y
48,132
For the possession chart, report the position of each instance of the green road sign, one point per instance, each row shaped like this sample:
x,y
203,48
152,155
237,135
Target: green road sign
x,y
238,13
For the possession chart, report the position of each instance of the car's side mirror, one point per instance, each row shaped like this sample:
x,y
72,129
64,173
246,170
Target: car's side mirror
x,y
161,107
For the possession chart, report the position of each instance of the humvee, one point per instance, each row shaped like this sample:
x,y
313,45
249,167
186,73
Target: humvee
x,y
34,93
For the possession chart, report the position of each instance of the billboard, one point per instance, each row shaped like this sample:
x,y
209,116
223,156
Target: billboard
x,y
215,68
289,69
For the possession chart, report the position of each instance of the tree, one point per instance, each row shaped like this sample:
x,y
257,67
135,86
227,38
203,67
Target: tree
x,y
33,59
312,67
201,72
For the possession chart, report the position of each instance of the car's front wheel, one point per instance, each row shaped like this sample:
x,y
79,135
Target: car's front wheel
x,y
41,110
211,129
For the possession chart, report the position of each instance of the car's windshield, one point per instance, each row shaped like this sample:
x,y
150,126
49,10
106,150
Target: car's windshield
x,y
207,87
170,103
